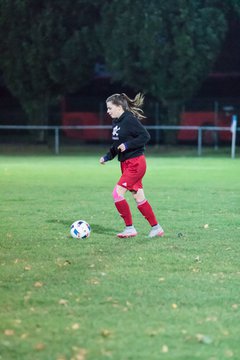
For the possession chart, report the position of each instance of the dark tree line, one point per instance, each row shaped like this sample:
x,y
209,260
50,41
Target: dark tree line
x,y
47,49
165,48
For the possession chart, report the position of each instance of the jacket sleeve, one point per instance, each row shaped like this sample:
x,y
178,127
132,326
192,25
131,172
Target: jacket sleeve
x,y
139,135
111,154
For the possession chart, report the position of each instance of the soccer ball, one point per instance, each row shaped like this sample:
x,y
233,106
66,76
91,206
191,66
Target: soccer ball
x,y
80,229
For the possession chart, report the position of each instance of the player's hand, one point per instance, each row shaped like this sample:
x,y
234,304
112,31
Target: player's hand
x,y
102,161
122,147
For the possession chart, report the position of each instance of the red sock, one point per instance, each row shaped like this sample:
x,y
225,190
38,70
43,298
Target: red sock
x,y
124,211
148,213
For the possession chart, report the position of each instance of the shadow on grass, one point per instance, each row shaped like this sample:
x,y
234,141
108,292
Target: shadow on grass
x,y
99,229
96,228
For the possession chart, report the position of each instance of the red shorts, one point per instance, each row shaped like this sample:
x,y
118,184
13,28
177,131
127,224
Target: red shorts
x,y
133,171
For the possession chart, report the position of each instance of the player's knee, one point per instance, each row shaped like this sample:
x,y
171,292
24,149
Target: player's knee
x,y
139,196
134,194
116,196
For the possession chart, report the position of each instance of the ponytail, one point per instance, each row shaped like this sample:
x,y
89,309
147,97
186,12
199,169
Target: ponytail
x,y
132,105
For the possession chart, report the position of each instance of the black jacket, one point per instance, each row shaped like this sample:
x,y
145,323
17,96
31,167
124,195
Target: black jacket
x,y
128,130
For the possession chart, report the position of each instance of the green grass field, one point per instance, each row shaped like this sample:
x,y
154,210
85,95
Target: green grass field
x,y
107,298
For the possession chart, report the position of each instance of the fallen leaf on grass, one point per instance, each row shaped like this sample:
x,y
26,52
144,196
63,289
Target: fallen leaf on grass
x,y
128,304
38,284
105,333
62,262
229,353
113,302
225,332
27,268
9,332
75,326
80,354
63,302
16,261
39,346
127,307
67,262
94,281
164,349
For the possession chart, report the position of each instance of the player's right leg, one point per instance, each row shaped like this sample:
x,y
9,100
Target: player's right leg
x,y
124,211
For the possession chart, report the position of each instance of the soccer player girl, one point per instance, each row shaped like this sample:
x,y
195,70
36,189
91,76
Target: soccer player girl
x,y
129,139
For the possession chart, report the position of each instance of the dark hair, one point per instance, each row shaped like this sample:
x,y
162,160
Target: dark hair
x,y
132,105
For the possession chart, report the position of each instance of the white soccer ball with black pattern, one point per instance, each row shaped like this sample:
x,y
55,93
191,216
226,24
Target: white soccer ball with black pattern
x,y
80,229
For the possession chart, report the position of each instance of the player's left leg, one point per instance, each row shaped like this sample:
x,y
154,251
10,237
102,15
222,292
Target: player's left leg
x,y
146,210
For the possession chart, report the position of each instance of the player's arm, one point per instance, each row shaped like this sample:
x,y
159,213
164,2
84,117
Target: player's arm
x,y
109,156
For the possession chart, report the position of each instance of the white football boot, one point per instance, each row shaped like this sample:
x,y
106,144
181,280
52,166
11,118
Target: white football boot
x,y
157,230
129,231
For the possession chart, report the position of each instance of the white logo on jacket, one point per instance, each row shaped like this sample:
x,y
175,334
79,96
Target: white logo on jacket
x,y
115,132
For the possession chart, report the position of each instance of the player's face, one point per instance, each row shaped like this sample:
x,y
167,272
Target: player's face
x,y
115,111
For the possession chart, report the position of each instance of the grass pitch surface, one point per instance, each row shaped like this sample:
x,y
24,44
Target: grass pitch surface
x,y
122,299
